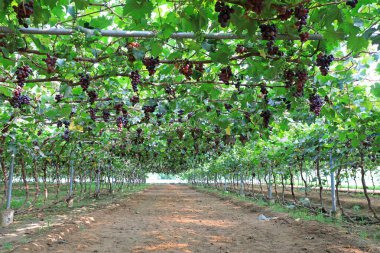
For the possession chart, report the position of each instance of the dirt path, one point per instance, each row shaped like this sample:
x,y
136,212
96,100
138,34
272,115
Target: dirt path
x,y
174,218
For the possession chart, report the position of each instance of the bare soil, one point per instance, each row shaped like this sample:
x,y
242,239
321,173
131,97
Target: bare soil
x,y
174,218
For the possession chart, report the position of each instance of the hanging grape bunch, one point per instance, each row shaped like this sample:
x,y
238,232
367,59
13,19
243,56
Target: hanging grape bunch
x,y
186,69
316,104
300,82
170,91
304,36
196,133
269,32
120,121
147,110
285,13
289,78
135,79
66,135
225,12
263,90
118,108
59,124
50,63
134,100
24,10
92,95
84,81
130,47
323,62
58,98
92,113
106,115
240,49
254,5
266,117
243,139
352,3
225,75
22,73
180,133
301,13
151,64
19,100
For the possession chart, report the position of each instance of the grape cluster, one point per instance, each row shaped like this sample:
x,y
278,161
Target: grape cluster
x,y
240,49
121,121
352,3
130,47
268,32
289,78
186,69
92,112
301,13
266,117
58,98
180,133
19,100
316,103
304,36
135,76
285,13
243,139
84,81
196,133
150,64
106,115
50,63
170,91
225,75
66,123
228,106
92,96
323,62
254,5
59,123
247,116
273,50
134,100
225,12
22,73
263,90
300,82
66,135
147,110
24,10
118,108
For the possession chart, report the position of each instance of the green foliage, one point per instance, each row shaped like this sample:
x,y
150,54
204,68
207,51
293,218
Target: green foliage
x,y
201,117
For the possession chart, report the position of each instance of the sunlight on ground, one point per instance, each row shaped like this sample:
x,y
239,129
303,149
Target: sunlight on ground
x,y
155,178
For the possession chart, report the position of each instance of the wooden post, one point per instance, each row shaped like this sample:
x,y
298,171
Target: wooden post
x,y
332,178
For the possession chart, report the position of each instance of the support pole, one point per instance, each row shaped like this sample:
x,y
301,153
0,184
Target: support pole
x,y
10,181
270,184
71,178
332,177
149,34
241,184
98,180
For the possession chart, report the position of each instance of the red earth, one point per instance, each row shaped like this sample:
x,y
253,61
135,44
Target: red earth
x,y
177,218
